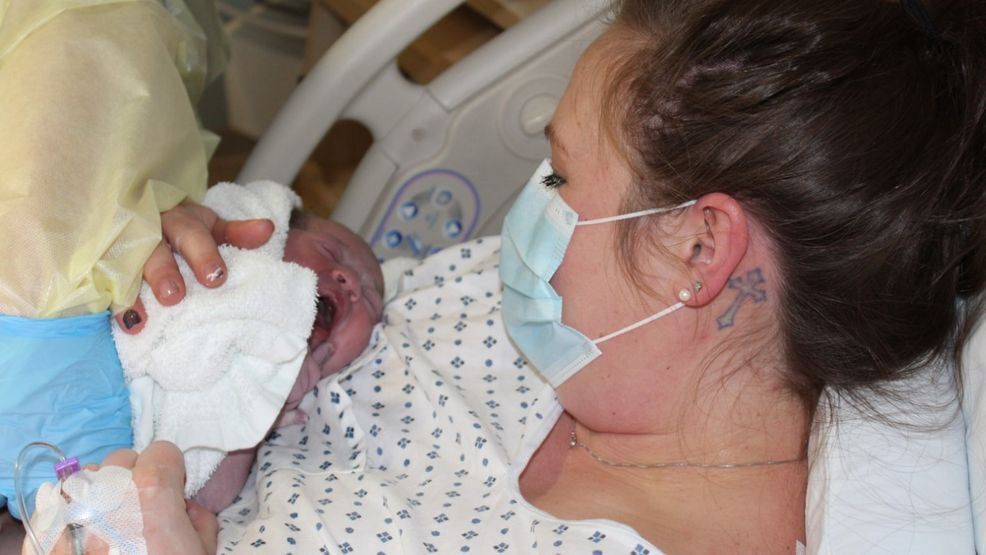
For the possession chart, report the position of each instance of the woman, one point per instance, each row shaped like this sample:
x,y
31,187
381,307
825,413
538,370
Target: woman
x,y
838,184
801,196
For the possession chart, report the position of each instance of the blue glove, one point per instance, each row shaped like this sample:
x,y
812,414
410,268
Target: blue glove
x,y
60,382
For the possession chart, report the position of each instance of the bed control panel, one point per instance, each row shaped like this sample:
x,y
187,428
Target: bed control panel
x,y
430,211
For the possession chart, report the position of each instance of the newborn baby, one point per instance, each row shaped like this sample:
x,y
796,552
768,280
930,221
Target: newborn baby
x,y
350,300
350,303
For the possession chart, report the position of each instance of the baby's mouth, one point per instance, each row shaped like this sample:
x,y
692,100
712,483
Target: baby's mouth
x,y
320,349
324,313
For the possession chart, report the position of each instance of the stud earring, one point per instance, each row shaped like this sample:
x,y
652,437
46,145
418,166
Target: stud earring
x,y
684,295
698,286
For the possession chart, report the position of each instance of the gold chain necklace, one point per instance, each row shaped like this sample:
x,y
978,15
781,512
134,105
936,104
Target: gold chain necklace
x,y
574,442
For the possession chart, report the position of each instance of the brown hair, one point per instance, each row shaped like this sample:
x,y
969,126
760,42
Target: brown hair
x,y
854,137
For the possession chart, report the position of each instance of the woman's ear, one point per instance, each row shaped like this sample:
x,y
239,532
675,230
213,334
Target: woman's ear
x,y
718,243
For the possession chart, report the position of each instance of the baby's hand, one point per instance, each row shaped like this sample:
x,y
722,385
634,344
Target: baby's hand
x,y
308,377
294,417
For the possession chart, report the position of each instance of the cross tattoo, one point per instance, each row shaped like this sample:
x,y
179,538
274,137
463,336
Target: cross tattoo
x,y
747,290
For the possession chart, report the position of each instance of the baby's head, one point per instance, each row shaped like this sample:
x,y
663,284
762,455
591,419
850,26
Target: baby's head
x,y
350,288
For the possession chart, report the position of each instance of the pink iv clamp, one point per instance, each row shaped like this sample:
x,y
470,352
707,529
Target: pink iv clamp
x,y
84,511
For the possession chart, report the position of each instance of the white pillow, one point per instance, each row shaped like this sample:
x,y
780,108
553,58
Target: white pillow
x,y
974,409
876,487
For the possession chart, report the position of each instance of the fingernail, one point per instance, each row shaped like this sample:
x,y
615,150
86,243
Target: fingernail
x,y
131,318
215,275
170,288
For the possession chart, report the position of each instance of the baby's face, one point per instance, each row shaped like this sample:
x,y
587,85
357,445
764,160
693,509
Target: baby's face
x,y
350,290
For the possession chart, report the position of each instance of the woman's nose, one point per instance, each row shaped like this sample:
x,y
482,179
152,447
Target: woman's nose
x,y
348,281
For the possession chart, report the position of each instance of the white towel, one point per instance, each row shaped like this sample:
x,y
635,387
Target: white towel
x,y
212,373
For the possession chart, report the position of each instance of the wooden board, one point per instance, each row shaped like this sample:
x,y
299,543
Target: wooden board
x,y
348,10
506,13
448,41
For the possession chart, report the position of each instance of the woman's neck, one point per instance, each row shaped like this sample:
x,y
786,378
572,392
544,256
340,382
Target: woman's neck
x,y
752,500
746,431
681,509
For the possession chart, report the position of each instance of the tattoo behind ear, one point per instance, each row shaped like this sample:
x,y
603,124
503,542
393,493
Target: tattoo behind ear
x,y
747,289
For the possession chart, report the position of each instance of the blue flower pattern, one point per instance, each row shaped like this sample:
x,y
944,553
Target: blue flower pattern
x,y
409,449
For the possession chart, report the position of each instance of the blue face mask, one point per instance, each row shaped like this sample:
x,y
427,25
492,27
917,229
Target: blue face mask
x,y
536,234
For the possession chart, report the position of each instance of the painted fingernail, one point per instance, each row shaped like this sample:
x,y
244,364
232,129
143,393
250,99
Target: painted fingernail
x,y
215,275
169,289
131,318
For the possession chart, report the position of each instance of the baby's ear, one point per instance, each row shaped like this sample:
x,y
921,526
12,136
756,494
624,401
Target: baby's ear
x,y
719,238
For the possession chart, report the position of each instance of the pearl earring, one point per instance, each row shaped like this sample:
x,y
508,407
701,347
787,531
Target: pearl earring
x,y
685,295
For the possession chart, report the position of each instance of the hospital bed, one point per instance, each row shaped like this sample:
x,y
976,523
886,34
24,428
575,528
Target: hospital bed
x,y
449,158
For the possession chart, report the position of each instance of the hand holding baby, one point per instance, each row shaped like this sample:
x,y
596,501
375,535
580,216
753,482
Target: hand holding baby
x,y
193,231
170,523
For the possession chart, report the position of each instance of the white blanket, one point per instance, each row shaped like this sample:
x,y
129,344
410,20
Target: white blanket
x,y
212,373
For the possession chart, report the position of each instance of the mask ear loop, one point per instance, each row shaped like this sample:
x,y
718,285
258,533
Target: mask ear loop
x,y
648,212
637,214
63,469
644,322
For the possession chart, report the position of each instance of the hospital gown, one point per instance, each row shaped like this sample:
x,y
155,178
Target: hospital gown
x,y
417,447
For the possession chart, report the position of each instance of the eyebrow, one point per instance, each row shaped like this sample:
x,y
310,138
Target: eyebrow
x,y
552,136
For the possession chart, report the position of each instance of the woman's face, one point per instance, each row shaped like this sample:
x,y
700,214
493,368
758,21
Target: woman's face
x,y
598,296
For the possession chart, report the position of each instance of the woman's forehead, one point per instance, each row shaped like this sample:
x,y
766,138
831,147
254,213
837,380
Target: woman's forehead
x,y
581,106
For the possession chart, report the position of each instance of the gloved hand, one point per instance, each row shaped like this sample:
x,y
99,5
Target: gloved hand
x,y
171,524
61,383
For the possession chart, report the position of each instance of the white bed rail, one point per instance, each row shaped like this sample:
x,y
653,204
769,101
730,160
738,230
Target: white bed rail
x,y
447,157
338,77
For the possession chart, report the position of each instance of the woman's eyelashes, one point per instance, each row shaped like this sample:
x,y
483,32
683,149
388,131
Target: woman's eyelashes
x,y
552,180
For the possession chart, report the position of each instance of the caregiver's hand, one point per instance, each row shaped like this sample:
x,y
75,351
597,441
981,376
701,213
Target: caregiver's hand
x,y
195,232
171,524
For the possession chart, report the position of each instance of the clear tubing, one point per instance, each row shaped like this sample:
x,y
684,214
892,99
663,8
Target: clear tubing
x,y
75,535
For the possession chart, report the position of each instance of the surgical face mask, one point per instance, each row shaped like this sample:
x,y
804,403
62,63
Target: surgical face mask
x,y
536,234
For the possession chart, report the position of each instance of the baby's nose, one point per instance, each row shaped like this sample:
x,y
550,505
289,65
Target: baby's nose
x,y
348,281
